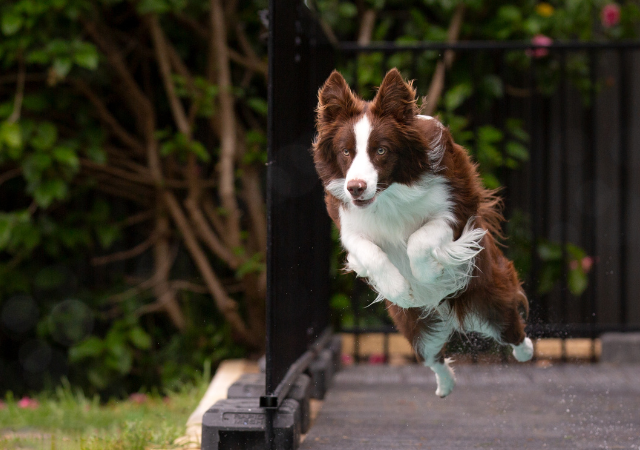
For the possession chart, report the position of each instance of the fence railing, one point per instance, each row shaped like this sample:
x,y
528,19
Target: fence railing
x,y
572,203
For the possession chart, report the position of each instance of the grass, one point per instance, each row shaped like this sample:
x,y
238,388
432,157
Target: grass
x,y
67,420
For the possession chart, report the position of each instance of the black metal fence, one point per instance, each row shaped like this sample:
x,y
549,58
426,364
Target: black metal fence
x,y
573,204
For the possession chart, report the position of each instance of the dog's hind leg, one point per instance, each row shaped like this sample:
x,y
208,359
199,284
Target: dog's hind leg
x,y
513,333
430,345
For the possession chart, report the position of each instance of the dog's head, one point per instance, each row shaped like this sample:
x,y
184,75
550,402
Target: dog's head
x,y
362,147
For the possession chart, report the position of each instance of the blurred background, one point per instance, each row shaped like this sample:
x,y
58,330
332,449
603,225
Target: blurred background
x,y
132,170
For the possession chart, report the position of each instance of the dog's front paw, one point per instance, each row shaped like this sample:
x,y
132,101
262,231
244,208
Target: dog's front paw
x,y
356,266
394,287
424,266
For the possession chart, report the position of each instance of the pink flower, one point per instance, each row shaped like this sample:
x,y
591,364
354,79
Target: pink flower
x,y
3,405
586,263
377,358
28,403
138,398
610,15
540,40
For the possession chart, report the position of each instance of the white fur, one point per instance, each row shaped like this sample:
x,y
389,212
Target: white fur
x,y
403,242
429,346
444,377
523,351
361,167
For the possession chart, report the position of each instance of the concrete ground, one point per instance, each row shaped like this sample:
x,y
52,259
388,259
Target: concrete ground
x,y
514,406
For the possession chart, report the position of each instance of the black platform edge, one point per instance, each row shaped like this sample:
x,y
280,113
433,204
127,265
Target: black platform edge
x,y
324,366
252,385
239,423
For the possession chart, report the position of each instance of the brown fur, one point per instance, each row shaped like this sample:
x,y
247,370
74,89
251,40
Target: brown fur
x,y
494,292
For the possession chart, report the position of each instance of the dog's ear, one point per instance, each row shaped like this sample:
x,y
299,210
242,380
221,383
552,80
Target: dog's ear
x,y
335,99
395,98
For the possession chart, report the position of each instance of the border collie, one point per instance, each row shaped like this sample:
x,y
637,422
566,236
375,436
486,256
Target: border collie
x,y
416,221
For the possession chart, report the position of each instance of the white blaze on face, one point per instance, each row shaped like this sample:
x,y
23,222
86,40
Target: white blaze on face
x,y
362,168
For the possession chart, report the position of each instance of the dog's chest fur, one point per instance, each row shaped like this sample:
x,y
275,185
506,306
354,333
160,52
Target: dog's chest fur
x,y
399,211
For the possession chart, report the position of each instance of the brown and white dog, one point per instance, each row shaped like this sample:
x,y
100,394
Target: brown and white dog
x,y
416,221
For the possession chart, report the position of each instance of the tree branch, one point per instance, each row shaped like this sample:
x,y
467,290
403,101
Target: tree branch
x,y
165,294
126,254
107,117
184,285
208,236
9,174
133,177
226,189
227,306
366,27
437,82
17,103
160,46
138,218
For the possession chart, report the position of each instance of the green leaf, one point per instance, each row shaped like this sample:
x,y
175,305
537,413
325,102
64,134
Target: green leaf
x,y
48,191
107,234
517,150
62,66
489,134
548,251
490,181
98,378
340,301
10,134
66,156
139,338
153,6
252,265
88,348
11,23
34,165
6,226
347,10
86,56
493,85
549,275
198,149
577,281
259,105
96,154
509,13
576,252
49,278
456,96
46,136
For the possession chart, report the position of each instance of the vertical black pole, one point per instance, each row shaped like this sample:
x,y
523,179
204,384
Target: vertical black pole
x,y
564,217
593,209
269,306
535,187
624,93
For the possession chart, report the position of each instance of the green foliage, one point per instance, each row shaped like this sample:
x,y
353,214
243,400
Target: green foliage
x,y
68,418
56,217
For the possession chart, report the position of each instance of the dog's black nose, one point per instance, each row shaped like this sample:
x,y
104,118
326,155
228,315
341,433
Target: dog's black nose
x,y
356,187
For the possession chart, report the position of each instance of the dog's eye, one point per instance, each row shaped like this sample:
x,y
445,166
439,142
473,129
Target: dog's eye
x,y
382,151
345,151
